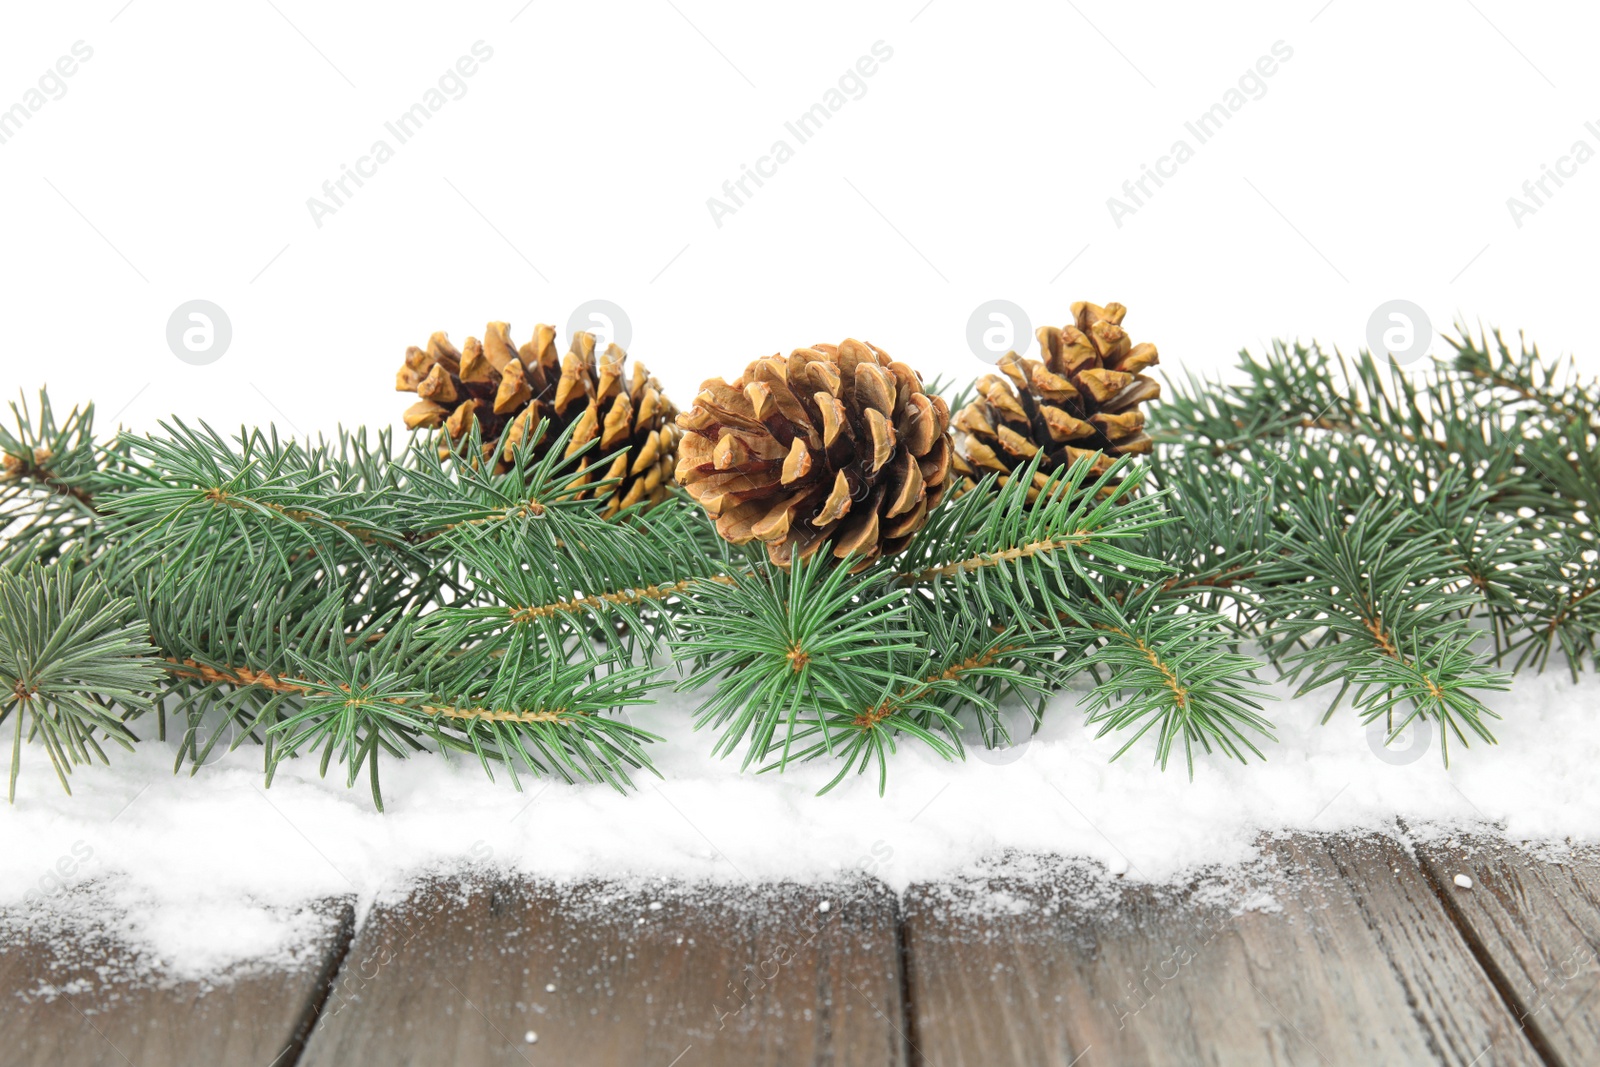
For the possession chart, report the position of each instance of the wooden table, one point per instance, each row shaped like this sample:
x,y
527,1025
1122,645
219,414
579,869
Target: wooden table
x,y
1369,953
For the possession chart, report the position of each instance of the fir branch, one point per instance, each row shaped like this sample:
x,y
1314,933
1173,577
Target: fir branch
x,y
1374,611
244,676
46,464
1509,432
1551,388
1367,524
1174,671
70,658
1015,619
599,601
1078,539
926,708
779,645
1029,551
359,698
49,453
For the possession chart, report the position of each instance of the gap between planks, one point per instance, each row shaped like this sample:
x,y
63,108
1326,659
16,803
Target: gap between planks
x,y
80,998
1533,922
1410,984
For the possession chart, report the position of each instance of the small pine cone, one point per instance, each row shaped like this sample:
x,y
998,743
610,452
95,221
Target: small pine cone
x,y
509,390
835,445
1083,397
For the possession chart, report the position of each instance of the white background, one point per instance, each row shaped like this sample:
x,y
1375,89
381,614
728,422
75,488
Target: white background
x,y
578,165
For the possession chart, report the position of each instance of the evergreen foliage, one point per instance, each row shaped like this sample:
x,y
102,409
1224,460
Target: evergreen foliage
x,y
1407,533
1400,538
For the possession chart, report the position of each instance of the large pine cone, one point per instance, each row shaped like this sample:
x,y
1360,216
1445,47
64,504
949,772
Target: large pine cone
x,y
833,446
508,391
1082,398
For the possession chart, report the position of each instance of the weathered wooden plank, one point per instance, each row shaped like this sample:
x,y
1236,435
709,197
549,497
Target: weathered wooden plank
x,y
1534,921
79,1005
1356,963
462,973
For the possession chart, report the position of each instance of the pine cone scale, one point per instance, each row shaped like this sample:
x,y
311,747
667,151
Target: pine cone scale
x,y
1081,397
935,464
825,447
797,464
507,391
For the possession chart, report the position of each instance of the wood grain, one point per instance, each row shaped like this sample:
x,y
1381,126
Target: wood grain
x,y
1355,963
605,974
84,1004
1535,922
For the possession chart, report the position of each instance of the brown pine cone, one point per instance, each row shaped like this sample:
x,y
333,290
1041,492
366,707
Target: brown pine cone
x,y
508,390
1083,397
835,445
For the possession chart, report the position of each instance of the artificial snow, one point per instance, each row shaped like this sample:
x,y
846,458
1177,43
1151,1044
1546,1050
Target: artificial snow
x,y
197,875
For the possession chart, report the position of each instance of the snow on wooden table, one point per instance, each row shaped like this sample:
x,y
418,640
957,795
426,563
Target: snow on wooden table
x,y
1356,962
1347,950
517,972
85,1005
1536,925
